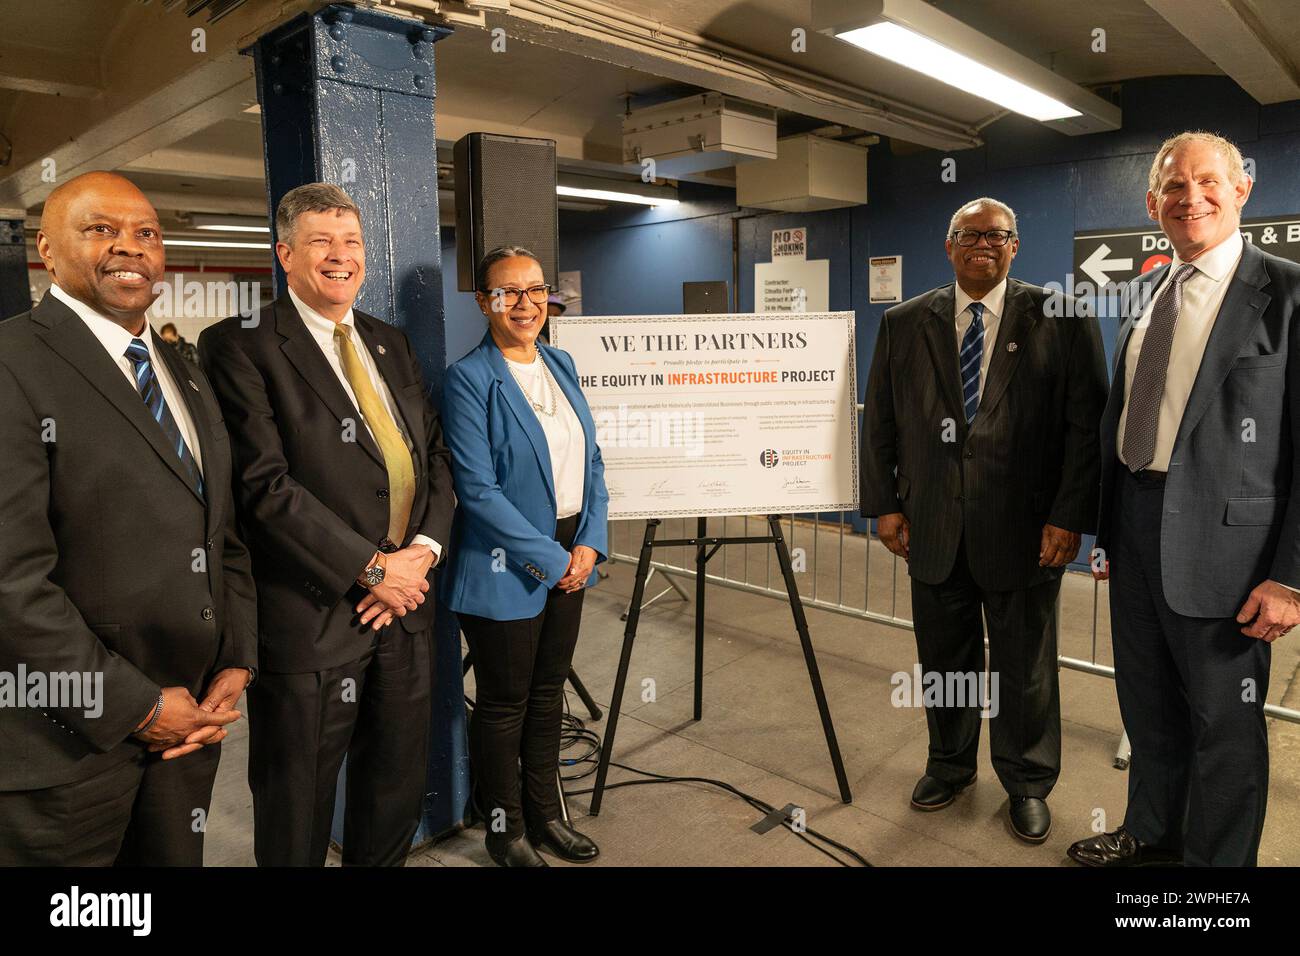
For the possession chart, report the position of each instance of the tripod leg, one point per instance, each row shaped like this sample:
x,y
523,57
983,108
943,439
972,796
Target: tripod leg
x,y
624,661
701,529
584,695
801,625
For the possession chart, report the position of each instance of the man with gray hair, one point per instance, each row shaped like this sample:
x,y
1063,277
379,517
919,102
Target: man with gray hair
x,y
1199,531
979,460
344,487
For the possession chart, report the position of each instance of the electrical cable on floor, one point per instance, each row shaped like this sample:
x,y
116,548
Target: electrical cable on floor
x,y
574,733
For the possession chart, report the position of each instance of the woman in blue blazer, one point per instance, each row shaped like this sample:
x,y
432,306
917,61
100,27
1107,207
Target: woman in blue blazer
x,y
530,528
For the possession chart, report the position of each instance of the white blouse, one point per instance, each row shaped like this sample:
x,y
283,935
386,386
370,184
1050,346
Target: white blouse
x,y
564,437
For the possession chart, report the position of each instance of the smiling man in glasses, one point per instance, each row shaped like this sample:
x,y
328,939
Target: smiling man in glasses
x,y
344,486
979,460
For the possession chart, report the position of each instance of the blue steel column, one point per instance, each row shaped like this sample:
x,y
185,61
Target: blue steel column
x,y
347,97
15,283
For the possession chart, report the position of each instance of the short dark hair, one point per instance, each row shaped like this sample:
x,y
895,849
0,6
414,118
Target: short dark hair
x,y
494,256
169,325
312,197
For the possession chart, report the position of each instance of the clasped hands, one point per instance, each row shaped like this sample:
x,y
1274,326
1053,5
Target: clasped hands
x,y
184,725
1056,548
404,587
581,562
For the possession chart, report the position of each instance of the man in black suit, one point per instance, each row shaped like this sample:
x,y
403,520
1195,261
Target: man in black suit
x,y
979,449
344,486
123,575
1200,517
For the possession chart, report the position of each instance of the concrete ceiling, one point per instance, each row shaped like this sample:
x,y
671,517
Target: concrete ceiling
x,y
116,83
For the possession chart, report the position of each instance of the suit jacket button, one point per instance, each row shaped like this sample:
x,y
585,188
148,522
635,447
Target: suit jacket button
x,y
211,544
381,493
209,614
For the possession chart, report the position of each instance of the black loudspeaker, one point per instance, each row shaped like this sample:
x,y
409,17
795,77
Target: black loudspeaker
x,y
505,196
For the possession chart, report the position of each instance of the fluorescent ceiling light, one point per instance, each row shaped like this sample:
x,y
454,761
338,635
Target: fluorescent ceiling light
x,y
234,227
218,223
613,195
206,244
916,52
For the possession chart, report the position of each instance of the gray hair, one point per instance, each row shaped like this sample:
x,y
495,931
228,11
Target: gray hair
x,y
982,201
494,256
1226,148
312,197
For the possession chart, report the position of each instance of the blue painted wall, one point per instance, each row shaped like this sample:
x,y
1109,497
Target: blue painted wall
x,y
635,261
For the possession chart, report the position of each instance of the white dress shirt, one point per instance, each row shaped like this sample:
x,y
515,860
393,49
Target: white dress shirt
x,y
564,437
115,341
993,301
322,333
1203,294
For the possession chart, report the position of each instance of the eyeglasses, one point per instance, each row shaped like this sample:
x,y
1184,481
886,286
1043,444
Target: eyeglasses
x,y
970,237
509,298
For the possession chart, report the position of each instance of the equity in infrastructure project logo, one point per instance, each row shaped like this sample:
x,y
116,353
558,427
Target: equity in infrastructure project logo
x,y
769,458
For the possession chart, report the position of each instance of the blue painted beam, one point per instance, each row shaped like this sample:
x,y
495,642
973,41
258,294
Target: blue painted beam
x,y
347,97
15,284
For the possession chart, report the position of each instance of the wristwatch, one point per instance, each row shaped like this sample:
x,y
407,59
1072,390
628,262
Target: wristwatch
x,y
373,575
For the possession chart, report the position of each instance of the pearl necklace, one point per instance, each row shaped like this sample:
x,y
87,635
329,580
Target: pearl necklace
x,y
549,405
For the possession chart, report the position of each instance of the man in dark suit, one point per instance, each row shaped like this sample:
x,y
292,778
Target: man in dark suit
x,y
1200,517
123,576
344,485
978,459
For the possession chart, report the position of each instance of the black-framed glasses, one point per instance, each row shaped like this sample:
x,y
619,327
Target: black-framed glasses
x,y
509,297
971,237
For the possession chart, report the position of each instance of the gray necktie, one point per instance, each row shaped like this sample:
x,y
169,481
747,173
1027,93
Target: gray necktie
x,y
1148,388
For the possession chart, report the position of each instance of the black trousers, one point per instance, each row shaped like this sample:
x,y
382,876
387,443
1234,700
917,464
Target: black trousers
x,y
1191,693
519,672
1024,710
376,711
141,811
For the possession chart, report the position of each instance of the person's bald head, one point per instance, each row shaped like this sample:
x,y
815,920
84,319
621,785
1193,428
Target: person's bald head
x,y
102,244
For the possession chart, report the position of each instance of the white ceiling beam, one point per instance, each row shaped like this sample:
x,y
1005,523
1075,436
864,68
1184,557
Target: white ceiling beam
x,y
1230,34
52,73
200,164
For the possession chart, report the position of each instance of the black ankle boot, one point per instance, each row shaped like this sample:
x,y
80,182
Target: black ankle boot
x,y
564,841
516,852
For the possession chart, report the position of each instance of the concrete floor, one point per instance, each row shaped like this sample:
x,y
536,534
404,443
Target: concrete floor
x,y
761,731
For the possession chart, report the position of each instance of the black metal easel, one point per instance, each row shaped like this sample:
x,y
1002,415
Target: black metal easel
x,y
705,548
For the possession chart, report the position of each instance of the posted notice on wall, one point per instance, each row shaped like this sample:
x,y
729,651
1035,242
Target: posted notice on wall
x,y
721,414
885,278
792,285
790,243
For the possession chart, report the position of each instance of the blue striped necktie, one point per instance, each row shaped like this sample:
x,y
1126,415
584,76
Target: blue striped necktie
x,y
147,383
972,351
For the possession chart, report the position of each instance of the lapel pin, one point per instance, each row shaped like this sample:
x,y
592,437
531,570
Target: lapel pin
x,y
193,386
1011,346
381,350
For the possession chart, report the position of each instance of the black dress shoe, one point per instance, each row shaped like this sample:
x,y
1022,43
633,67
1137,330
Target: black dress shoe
x,y
564,841
517,852
1121,848
931,793
1030,819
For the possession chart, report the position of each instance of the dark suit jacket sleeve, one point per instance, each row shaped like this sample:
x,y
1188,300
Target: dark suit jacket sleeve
x,y
1286,556
877,485
1075,505
441,505
239,604
288,521
41,628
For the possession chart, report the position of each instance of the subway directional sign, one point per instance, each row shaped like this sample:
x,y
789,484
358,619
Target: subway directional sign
x,y
1104,256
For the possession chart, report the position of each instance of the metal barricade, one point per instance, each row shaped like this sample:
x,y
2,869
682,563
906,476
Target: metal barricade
x,y
842,571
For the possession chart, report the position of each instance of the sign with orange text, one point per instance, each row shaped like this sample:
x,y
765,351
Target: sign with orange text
x,y
721,414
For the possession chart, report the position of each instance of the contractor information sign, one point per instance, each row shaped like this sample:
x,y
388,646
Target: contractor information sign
x,y
721,414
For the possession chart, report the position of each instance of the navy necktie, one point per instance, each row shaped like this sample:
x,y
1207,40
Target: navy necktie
x,y
972,351
147,382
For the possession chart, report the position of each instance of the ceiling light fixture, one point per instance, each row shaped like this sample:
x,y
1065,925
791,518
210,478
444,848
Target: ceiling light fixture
x,y
920,37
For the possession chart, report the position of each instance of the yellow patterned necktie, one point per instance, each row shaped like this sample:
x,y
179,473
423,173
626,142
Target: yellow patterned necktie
x,y
397,457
